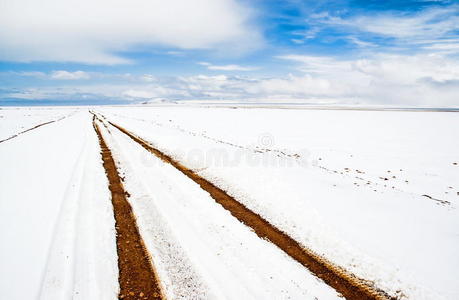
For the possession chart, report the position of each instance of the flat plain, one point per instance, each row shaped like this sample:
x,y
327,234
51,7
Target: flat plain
x,y
216,200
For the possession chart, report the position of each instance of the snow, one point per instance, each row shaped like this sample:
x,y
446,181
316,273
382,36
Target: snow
x,y
375,192
382,230
224,258
15,120
56,219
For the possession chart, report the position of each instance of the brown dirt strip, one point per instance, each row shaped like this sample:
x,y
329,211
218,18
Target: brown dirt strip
x,y
35,127
350,286
137,277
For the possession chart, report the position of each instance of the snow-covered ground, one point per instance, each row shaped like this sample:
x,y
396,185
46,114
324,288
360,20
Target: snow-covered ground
x,y
190,236
373,191
56,221
14,120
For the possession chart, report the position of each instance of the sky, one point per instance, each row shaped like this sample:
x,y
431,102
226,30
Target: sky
x,y
352,52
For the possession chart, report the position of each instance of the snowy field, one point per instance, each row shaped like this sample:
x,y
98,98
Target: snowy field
x,y
17,120
56,221
374,192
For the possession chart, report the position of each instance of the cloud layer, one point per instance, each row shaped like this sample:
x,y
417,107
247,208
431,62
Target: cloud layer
x,y
416,80
212,67
380,53
65,75
95,31
433,28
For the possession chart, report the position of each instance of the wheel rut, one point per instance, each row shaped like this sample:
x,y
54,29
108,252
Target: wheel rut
x,y
350,286
137,276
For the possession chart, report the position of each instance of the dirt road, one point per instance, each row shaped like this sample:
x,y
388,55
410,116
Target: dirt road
x,y
137,277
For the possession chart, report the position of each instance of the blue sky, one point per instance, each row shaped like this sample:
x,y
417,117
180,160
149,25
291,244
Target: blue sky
x,y
344,52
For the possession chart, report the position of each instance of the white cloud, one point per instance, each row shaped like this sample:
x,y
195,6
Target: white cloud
x,y
66,75
148,78
415,80
139,94
33,74
423,79
427,27
308,34
434,28
223,85
175,53
445,46
28,94
403,69
434,22
297,41
317,64
360,43
95,31
226,67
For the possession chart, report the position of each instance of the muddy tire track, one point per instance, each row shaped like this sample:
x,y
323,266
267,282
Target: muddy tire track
x,y
137,277
350,286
